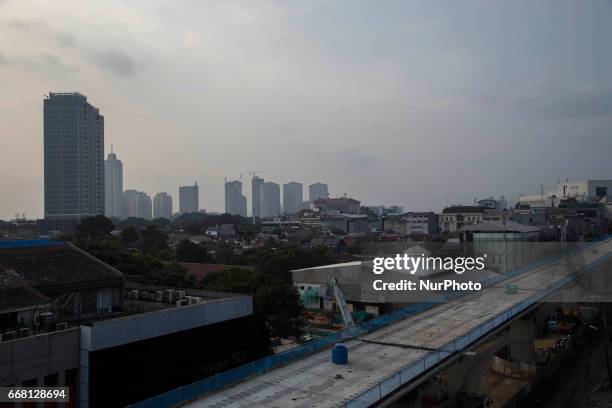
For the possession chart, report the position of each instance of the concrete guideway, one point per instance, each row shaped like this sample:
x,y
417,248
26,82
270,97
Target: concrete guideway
x,y
314,382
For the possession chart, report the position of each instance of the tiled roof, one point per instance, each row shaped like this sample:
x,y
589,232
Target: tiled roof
x,y
16,294
59,266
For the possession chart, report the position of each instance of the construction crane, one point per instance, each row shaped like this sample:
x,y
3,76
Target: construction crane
x,y
255,172
347,316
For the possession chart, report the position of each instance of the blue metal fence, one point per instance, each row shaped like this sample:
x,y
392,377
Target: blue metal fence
x,y
384,388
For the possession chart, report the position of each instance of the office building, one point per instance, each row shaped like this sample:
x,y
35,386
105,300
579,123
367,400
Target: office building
x,y
189,199
136,204
113,186
317,191
270,199
292,197
235,202
256,185
162,206
73,157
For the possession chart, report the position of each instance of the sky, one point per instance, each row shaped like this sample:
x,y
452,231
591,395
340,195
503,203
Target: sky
x,y
415,103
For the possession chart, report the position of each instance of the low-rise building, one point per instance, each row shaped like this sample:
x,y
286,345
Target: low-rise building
x,y
454,218
68,319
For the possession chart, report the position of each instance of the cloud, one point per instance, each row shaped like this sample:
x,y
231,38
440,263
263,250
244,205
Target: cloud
x,y
55,64
577,103
41,29
114,61
3,59
66,40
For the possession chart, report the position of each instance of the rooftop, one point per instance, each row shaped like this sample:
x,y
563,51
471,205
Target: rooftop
x,y
47,264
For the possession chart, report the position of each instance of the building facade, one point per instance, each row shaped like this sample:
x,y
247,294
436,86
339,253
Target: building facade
x,y
162,206
256,185
270,199
317,191
341,205
189,199
293,197
137,204
235,202
113,186
581,191
73,157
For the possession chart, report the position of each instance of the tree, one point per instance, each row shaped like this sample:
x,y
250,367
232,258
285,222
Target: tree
x,y
128,235
187,251
91,228
153,240
138,223
276,301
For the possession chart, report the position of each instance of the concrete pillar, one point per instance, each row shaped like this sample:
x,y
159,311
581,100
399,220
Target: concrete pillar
x,y
522,334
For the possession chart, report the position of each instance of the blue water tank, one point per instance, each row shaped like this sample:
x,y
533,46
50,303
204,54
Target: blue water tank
x,y
340,354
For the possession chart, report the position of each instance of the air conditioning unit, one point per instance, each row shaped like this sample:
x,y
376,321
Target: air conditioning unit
x,y
180,294
158,296
25,332
181,302
134,294
10,335
170,295
107,310
61,326
196,299
152,296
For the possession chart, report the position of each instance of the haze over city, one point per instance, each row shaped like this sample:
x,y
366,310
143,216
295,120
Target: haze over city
x,y
417,104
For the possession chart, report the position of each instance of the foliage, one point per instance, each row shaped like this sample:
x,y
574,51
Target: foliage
x,y
153,240
129,235
276,301
187,251
94,227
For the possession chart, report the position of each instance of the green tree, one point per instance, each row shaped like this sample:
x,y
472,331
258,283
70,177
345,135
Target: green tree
x,y
130,234
187,251
276,302
92,228
153,240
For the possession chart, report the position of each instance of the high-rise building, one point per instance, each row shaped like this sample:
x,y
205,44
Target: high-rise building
x,y
270,199
162,206
136,204
189,199
256,185
292,197
73,157
316,191
113,186
235,202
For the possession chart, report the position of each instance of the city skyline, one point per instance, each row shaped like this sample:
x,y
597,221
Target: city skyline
x,y
318,92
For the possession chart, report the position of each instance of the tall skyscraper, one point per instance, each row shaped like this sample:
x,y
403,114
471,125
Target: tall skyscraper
x,y
162,206
235,202
292,197
113,186
136,204
189,199
316,191
270,199
256,185
74,157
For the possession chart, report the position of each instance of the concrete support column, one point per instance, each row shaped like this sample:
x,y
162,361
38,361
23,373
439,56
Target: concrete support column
x,y
522,334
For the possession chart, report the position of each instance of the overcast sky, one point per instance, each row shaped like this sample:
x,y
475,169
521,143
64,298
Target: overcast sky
x,y
420,104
